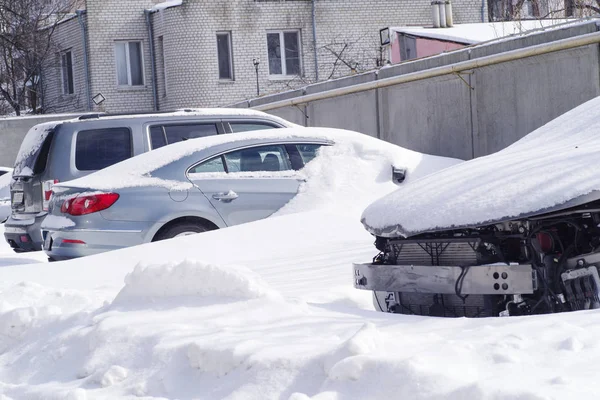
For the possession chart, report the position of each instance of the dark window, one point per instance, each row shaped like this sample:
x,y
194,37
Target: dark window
x,y
129,63
249,126
263,158
308,151
167,134
212,165
284,52
224,55
100,148
67,72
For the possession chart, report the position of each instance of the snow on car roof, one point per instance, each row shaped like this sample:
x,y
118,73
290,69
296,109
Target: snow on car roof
x,y
554,164
357,164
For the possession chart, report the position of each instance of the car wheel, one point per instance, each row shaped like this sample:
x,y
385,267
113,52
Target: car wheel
x,y
180,229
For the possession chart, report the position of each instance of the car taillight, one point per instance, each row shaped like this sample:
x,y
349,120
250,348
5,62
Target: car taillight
x,y
47,193
81,205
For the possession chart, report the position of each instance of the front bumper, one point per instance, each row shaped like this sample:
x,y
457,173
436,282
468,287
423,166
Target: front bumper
x,y
24,234
490,279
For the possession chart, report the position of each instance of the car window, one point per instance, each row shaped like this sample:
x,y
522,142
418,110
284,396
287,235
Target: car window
x,y
167,134
212,165
308,151
249,126
99,148
263,158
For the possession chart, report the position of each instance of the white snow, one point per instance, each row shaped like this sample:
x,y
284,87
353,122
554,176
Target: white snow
x,y
266,310
552,165
30,145
5,194
57,222
351,150
166,4
475,33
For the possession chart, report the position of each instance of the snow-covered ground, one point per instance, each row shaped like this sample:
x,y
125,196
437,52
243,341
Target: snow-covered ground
x,y
266,310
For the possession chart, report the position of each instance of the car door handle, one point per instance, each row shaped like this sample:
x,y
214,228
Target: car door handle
x,y
225,197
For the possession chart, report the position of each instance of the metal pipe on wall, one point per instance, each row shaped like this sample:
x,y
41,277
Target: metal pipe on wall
x,y
86,71
314,29
152,59
564,44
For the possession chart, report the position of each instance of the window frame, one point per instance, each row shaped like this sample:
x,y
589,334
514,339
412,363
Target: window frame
x,y
128,63
285,145
284,74
161,124
70,90
230,51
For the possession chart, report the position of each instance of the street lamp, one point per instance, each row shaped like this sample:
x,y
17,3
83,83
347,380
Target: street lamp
x,y
256,61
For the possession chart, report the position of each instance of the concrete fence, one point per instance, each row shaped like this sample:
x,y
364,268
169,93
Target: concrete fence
x,y
466,114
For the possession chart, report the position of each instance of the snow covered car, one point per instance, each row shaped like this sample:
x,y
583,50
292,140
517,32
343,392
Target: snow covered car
x,y
513,233
215,182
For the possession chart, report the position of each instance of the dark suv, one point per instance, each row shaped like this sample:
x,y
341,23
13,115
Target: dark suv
x,y
60,151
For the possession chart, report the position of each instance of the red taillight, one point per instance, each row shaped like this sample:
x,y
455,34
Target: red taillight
x,y
73,241
81,205
47,192
545,241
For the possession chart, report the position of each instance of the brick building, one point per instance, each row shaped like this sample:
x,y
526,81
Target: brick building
x,y
144,55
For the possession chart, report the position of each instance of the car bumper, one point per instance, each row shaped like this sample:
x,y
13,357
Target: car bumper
x,y
24,234
73,243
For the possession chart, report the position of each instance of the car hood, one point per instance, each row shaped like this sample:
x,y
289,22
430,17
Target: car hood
x,y
555,167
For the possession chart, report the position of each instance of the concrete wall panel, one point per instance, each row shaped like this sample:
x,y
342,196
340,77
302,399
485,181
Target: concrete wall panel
x,y
518,97
430,116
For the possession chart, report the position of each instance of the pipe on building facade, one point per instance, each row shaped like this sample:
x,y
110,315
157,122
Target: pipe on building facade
x,y
563,44
86,70
152,59
314,29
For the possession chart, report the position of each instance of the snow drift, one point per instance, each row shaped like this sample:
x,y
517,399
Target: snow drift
x,y
549,167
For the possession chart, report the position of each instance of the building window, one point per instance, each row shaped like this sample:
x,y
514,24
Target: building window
x,y
130,70
225,55
66,64
284,53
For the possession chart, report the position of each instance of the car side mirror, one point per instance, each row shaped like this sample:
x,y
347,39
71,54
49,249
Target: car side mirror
x,y
398,175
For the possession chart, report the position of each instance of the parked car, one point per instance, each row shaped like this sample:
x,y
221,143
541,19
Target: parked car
x,y
513,233
219,182
61,151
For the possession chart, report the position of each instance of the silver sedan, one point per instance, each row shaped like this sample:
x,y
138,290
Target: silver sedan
x,y
181,189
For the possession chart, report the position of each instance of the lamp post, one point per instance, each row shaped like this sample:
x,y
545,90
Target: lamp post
x,y
256,62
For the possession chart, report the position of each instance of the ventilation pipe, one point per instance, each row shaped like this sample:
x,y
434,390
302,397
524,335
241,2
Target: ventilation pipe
x,y
435,13
441,12
448,8
442,15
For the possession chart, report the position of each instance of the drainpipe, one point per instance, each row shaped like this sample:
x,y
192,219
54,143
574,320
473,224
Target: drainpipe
x,y
483,10
314,29
152,60
85,58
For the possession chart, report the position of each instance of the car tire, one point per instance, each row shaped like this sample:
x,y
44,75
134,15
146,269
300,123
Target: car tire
x,y
180,229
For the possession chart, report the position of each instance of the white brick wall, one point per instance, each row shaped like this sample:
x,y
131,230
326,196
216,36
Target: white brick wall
x,y
188,42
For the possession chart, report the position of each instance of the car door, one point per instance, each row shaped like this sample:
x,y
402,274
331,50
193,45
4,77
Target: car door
x,y
247,184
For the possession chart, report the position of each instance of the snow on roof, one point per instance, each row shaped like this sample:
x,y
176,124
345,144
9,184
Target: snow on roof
x,y
166,4
554,164
483,32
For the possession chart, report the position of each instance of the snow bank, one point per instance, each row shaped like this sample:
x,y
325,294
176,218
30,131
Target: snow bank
x,y
355,170
191,278
554,164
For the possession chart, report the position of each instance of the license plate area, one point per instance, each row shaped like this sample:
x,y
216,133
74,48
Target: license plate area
x,y
17,199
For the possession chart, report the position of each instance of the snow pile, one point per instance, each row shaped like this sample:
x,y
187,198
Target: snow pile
x,y
554,164
191,278
355,170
